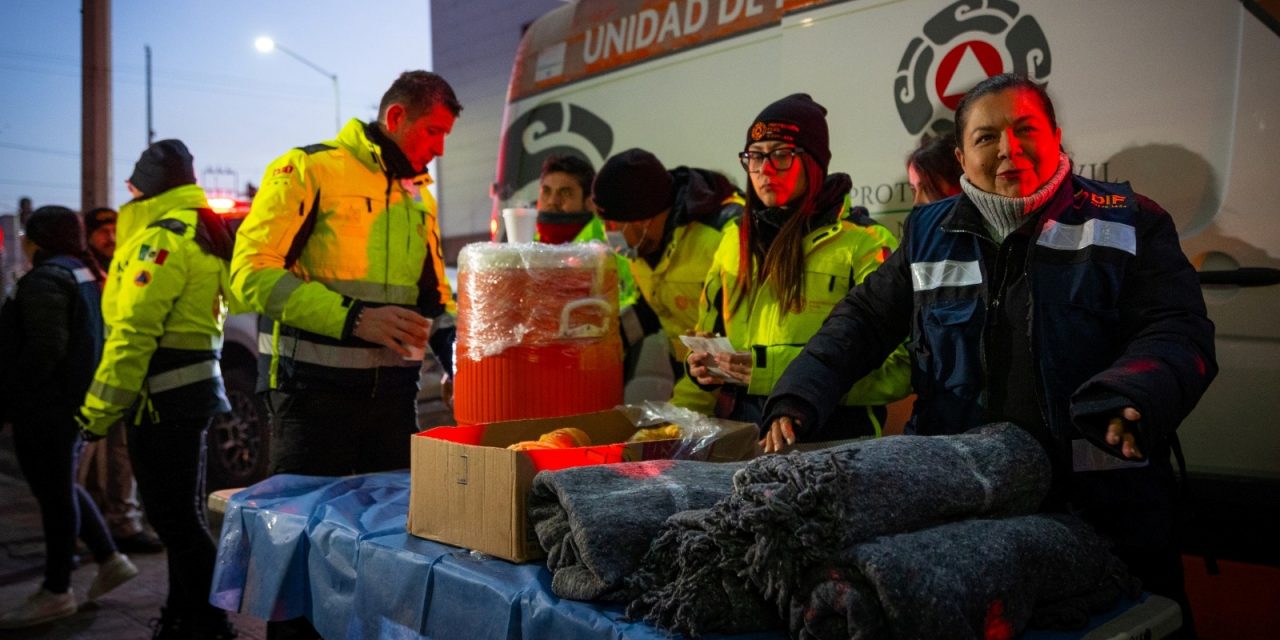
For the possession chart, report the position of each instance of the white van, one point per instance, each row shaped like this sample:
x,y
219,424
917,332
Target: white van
x,y
1181,98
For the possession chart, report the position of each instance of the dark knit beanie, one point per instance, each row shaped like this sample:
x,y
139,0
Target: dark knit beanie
x,y
163,166
796,119
95,218
631,186
56,230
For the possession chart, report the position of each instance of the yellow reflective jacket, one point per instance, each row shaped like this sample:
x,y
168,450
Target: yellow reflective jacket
x,y
163,304
330,231
838,256
673,287
627,292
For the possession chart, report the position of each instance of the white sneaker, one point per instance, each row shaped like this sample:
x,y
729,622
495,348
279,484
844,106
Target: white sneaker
x,y
40,607
116,571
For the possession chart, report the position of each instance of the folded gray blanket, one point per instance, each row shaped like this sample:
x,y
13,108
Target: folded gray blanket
x,y
788,513
961,580
596,522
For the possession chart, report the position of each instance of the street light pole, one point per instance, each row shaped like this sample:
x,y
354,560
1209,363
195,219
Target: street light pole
x,y
266,45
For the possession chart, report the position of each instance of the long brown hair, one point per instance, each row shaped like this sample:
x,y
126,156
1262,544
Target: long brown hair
x,y
781,264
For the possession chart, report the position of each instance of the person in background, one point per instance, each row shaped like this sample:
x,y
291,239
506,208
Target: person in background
x,y
776,276
105,471
100,234
352,292
932,169
50,342
164,305
564,202
671,222
567,213
1038,297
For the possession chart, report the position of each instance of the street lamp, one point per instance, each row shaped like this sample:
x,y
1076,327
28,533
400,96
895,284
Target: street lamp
x,y
266,45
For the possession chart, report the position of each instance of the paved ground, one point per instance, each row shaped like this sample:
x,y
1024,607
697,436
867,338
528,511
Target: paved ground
x,y
122,614
119,615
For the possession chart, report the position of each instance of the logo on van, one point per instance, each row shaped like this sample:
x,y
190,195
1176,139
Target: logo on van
x,y
962,45
555,128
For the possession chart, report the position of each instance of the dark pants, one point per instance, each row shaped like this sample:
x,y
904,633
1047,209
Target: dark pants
x,y
47,455
168,462
1137,509
336,434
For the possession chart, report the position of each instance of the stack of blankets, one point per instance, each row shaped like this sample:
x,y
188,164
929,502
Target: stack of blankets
x,y
905,537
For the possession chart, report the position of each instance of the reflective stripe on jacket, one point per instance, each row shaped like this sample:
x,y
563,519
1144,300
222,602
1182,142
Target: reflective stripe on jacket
x,y
328,228
164,306
1114,307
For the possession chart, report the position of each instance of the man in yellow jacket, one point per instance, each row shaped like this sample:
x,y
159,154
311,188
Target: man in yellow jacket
x,y
341,256
163,305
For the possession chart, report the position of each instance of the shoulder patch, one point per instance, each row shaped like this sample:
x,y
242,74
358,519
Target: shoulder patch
x,y
316,148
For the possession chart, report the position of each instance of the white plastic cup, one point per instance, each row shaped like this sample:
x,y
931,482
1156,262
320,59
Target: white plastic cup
x,y
521,223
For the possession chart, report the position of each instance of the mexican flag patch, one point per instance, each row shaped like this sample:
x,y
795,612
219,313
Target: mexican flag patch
x,y
147,254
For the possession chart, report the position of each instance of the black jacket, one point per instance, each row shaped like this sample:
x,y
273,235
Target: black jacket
x,y
51,339
1114,314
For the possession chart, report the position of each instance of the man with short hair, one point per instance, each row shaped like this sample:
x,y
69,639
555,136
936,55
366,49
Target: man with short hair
x,y
567,214
564,199
341,256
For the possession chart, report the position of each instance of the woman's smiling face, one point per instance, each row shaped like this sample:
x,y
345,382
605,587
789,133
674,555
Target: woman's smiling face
x,y
1009,146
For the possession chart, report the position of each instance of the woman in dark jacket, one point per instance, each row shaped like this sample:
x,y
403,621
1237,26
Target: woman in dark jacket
x,y
51,338
1061,304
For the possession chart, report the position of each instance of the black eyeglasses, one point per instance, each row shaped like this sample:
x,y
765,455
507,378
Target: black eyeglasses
x,y
781,158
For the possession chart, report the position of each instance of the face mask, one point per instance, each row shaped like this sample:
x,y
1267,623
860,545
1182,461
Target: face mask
x,y
624,248
618,242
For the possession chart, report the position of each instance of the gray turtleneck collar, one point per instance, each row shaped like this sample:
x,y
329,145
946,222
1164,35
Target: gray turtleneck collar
x,y
1001,215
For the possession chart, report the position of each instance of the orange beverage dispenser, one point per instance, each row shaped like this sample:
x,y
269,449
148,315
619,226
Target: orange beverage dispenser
x,y
537,331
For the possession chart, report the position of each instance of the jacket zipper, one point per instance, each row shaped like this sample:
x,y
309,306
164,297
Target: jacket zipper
x,y
1031,344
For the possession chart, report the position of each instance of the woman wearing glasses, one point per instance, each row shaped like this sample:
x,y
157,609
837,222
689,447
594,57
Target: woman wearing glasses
x,y
777,275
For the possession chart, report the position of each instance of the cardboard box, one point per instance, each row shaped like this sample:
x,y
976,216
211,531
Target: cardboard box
x,y
467,489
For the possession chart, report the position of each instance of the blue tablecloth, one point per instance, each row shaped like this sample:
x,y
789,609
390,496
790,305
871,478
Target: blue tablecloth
x,y
336,551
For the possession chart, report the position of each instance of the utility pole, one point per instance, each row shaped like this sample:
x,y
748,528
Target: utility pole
x,y
95,104
151,132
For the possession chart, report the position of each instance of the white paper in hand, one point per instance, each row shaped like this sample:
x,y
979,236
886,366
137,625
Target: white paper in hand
x,y
718,344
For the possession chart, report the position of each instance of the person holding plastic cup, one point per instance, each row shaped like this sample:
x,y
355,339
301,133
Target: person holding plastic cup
x,y
778,273
353,290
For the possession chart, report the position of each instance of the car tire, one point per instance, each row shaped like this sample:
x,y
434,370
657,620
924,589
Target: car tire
x,y
239,443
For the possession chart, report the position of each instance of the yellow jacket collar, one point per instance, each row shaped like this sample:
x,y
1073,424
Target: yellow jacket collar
x,y
135,215
367,152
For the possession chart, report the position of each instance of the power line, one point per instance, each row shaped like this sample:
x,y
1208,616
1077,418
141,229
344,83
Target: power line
x,y
36,183
56,152
52,152
134,74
